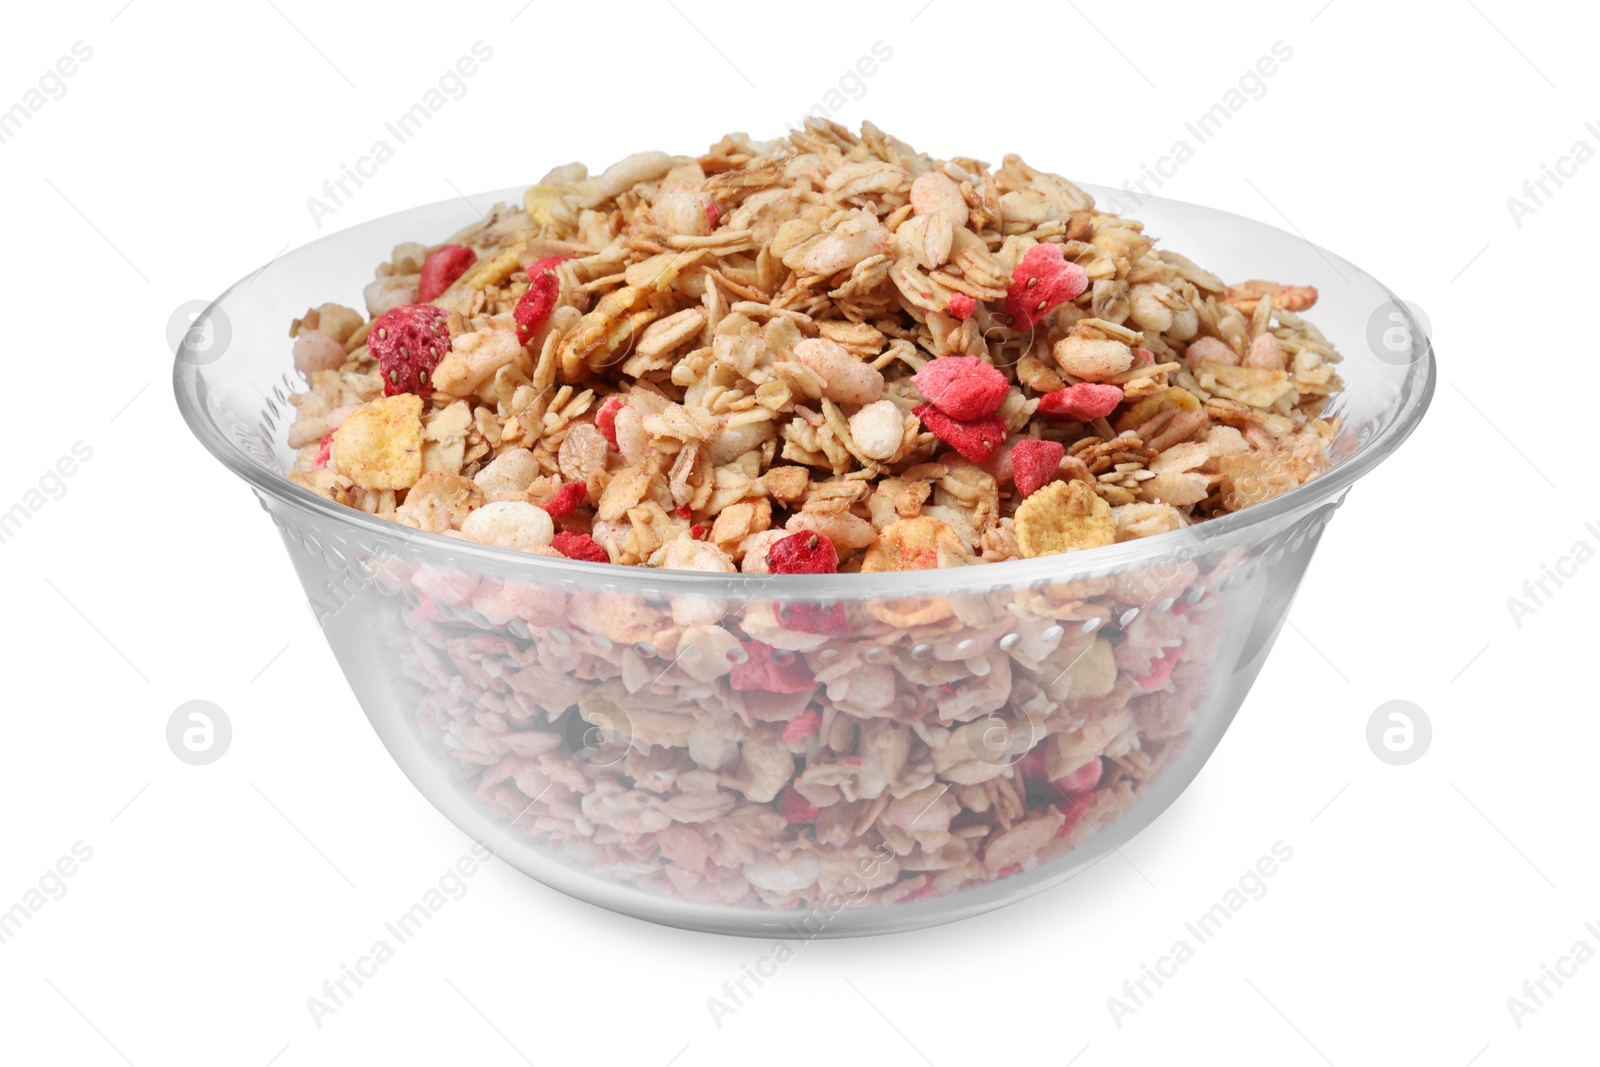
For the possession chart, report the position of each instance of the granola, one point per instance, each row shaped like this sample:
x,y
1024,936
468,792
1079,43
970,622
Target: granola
x,y
691,339
822,354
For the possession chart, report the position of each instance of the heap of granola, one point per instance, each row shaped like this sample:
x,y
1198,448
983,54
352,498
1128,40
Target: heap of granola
x,y
825,340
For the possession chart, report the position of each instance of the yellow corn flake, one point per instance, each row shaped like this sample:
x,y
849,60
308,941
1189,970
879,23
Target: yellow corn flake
x,y
910,545
538,200
1063,517
379,444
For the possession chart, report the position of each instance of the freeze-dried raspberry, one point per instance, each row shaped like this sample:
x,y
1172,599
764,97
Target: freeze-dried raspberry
x,y
1043,280
802,727
808,618
760,671
1075,807
1081,780
605,418
963,387
795,808
805,552
713,213
408,342
544,289
1034,464
441,269
1160,668
1081,402
683,511
324,450
568,497
698,531
961,305
975,438
579,546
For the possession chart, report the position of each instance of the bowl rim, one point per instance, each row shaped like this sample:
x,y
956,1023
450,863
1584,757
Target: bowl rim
x,y
1417,389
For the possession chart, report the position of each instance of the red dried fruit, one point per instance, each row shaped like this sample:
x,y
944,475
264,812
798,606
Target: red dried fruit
x,y
761,672
324,450
579,546
713,213
805,552
1081,780
605,418
802,727
807,618
568,497
1074,809
975,439
441,269
683,511
961,305
1034,464
544,289
963,387
1160,668
698,531
795,808
1081,402
408,342
1043,280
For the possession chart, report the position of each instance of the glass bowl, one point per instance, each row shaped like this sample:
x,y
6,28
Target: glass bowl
x,y
985,732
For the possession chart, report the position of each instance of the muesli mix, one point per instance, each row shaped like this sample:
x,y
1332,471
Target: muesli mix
x,y
823,353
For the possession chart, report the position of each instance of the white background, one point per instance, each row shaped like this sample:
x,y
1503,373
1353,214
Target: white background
x,y
218,898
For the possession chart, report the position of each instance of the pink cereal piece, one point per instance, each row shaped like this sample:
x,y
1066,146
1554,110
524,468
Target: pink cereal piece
x,y
802,727
1081,402
795,808
1034,464
961,305
1042,281
963,387
1160,668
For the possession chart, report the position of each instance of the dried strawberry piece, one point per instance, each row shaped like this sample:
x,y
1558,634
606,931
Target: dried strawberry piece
x,y
1081,402
579,546
976,439
713,213
803,726
808,618
805,552
1043,280
963,387
1074,809
683,511
698,531
761,672
441,269
1160,668
1081,780
324,450
605,418
568,497
544,289
408,342
796,809
1034,464
961,305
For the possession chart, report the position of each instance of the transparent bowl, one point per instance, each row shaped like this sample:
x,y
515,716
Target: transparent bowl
x,y
580,720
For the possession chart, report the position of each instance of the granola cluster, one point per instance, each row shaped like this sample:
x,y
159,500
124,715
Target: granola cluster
x,y
683,360
822,354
